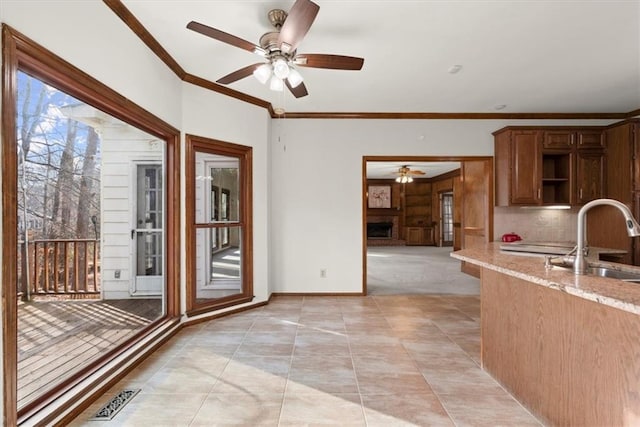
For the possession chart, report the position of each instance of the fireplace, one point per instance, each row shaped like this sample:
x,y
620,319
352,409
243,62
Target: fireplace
x,y
383,230
379,230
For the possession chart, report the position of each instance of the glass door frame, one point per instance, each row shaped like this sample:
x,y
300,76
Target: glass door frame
x,y
197,144
20,53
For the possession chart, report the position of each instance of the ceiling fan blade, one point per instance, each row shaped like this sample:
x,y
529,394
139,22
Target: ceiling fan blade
x,y
238,74
334,62
298,91
297,24
225,37
415,172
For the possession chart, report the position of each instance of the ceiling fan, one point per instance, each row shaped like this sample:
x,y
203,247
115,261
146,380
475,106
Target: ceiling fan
x,y
279,48
405,174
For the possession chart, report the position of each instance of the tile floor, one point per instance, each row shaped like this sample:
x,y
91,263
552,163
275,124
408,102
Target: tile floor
x,y
306,361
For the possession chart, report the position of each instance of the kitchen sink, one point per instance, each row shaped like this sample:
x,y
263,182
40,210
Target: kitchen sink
x,y
608,272
627,276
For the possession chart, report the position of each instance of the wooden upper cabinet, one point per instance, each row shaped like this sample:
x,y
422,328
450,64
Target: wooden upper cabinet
x,y
517,167
590,178
549,166
558,139
525,168
590,139
563,139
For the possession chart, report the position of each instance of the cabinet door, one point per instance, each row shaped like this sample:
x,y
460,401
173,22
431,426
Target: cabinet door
x,y
589,176
526,174
590,139
561,139
414,235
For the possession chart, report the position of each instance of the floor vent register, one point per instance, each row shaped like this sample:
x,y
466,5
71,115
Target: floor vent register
x,y
114,406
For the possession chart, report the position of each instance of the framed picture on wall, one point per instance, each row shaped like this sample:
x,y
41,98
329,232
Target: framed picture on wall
x,y
379,196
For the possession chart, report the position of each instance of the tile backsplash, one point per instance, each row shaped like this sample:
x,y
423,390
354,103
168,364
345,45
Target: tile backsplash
x,y
545,225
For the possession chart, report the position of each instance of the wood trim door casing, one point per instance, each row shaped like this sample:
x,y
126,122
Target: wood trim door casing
x,y
487,228
22,53
477,207
193,145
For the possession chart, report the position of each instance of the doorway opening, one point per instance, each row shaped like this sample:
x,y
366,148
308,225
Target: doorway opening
x,y
413,218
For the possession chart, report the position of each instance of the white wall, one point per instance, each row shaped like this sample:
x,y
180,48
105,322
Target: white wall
x,y
317,188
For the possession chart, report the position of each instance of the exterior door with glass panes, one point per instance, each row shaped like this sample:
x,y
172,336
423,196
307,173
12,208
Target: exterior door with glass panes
x,y
147,234
446,220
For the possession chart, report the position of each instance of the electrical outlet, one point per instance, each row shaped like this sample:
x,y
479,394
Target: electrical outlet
x,y
116,274
323,273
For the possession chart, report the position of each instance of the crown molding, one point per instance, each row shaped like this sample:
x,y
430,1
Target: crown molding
x,y
457,116
136,26
208,84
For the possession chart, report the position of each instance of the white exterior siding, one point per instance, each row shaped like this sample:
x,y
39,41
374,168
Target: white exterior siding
x,y
122,149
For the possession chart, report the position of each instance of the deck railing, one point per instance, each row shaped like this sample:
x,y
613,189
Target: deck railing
x,y
60,267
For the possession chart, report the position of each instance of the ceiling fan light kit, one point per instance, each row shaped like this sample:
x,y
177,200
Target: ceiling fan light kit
x,y
262,73
279,47
404,179
404,174
276,84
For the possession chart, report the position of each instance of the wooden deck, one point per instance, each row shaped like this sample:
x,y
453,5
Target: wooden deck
x,y
57,338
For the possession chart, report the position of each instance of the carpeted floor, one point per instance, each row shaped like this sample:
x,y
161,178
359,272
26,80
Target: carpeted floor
x,y
411,270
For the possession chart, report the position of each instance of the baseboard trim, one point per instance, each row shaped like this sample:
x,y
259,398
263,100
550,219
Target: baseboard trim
x,y
213,316
317,294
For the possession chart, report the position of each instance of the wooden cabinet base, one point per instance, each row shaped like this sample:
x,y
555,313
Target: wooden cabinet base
x,y
419,236
571,361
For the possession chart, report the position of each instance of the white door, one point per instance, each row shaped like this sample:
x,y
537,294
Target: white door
x,y
147,234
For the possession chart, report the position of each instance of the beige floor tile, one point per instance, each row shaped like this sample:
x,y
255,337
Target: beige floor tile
x,y
322,409
246,409
313,342
321,373
412,360
405,410
250,350
385,383
208,337
268,337
183,379
397,363
162,410
461,380
376,348
274,324
484,408
317,323
233,323
434,349
254,375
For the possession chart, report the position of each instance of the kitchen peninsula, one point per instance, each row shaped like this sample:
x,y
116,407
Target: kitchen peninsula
x,y
566,346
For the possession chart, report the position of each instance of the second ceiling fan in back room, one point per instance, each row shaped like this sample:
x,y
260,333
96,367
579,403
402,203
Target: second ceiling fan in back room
x,y
279,48
405,174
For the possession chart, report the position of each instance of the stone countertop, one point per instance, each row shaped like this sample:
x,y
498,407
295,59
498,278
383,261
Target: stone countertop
x,y
612,292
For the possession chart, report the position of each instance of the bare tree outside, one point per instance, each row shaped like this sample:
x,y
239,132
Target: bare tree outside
x,y
58,184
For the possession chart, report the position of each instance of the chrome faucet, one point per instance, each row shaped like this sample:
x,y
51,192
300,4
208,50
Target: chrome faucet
x,y
633,229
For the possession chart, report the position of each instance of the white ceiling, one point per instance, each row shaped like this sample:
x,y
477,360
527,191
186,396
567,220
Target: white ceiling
x,y
566,56
388,170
